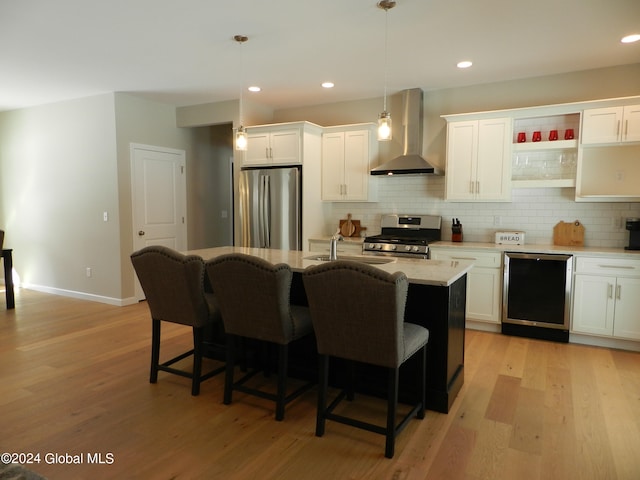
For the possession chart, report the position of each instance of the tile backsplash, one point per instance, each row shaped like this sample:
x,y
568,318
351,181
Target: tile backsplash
x,y
534,211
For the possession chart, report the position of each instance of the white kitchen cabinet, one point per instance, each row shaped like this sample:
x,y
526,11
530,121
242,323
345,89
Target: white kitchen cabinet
x,y
273,145
347,155
606,297
609,173
484,281
344,247
479,160
611,125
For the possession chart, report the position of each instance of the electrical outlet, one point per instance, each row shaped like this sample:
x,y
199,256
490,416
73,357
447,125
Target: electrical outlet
x,y
497,221
88,272
617,222
105,216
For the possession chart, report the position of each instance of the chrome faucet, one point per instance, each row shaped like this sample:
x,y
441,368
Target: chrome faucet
x,y
333,245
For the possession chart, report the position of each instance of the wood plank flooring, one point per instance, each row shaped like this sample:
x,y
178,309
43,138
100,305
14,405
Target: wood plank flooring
x,y
74,380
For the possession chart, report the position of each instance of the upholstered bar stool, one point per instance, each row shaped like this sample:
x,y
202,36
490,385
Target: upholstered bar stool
x,y
253,295
174,287
357,312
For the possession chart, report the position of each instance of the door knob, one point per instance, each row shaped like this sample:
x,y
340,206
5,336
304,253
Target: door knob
x,y
141,233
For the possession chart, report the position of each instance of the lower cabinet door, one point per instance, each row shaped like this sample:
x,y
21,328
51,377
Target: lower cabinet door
x,y
627,313
484,294
593,305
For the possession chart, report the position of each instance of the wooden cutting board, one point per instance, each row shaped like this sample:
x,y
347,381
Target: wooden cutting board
x,y
568,234
350,227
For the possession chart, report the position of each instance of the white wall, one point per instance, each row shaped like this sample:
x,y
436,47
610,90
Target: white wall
x,y
534,211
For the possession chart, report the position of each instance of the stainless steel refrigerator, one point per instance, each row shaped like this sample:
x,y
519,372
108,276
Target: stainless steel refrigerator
x,y
270,208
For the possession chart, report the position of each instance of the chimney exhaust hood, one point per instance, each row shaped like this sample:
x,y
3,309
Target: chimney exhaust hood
x,y
410,162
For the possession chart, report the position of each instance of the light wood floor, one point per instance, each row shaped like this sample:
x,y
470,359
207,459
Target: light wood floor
x,y
74,379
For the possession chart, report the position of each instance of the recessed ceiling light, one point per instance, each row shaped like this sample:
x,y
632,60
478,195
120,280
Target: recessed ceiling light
x,y
464,64
631,38
327,85
254,89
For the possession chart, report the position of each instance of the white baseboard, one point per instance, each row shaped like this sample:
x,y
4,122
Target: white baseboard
x,y
594,340
119,302
483,326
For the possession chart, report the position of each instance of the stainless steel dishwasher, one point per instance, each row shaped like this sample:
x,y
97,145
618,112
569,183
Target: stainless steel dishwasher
x,y
537,295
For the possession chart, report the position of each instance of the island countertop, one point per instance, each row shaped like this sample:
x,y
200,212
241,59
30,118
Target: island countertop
x,y
418,271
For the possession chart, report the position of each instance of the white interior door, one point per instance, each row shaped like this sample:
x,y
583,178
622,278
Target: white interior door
x,y
158,198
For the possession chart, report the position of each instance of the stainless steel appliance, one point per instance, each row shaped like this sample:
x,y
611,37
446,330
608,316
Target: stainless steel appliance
x,y
404,236
270,207
536,296
633,225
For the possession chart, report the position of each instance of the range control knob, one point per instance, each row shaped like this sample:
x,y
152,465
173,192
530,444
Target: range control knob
x,y
415,249
407,248
372,245
379,246
393,247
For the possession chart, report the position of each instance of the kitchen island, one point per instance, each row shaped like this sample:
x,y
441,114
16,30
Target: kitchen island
x,y
436,300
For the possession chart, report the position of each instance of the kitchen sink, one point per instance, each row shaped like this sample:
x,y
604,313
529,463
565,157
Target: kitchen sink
x,y
372,260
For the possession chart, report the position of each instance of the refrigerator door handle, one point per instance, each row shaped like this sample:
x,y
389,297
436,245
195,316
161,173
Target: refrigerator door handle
x,y
266,214
261,240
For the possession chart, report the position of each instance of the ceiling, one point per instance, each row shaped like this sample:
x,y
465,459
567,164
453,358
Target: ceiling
x,y
183,52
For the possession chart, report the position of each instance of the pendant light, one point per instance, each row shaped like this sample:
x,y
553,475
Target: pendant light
x,y
384,120
241,134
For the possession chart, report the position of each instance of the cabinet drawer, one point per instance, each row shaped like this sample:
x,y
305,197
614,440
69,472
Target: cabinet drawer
x,y
481,258
608,266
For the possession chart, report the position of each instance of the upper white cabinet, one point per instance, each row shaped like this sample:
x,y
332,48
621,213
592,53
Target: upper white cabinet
x,y
611,125
347,155
479,160
609,167
273,145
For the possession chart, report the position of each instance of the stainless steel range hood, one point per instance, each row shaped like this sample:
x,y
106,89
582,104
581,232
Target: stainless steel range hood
x,y
410,162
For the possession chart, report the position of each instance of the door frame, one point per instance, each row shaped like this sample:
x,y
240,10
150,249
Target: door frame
x,y
138,293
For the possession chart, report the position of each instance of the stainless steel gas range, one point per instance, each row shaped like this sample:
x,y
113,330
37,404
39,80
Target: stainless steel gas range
x,y
404,236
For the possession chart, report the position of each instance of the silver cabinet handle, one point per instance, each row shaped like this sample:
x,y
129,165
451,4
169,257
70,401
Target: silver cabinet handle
x,y
626,128
609,290
478,187
618,291
471,183
618,128
626,267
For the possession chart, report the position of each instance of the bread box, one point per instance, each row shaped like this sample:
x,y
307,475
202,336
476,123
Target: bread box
x,y
509,238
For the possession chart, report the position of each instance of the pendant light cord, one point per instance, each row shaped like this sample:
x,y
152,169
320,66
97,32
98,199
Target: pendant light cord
x,y
241,84
240,39
386,35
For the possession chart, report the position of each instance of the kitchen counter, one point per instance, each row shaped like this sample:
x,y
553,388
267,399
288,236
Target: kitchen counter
x,y
535,248
418,271
436,300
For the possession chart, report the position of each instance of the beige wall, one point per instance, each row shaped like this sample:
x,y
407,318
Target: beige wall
x,y
58,177
612,82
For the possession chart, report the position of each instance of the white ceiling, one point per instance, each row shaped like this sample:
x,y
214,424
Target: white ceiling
x,y
183,53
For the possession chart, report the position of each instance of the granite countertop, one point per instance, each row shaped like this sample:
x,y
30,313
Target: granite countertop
x,y
418,271
588,251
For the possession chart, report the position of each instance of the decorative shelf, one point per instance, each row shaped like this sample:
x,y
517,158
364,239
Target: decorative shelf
x,y
545,183
554,145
